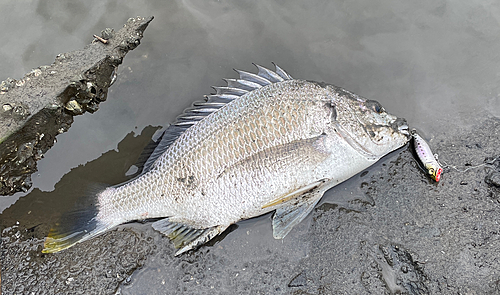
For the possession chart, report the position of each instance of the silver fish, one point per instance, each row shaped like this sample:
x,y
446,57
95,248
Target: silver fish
x,y
265,142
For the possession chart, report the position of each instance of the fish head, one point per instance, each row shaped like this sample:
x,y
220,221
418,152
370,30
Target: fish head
x,y
366,125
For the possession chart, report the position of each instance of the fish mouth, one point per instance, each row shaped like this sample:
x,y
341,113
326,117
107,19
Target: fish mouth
x,y
402,126
404,129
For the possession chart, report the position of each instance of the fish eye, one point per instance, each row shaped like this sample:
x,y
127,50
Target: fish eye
x,y
431,171
375,106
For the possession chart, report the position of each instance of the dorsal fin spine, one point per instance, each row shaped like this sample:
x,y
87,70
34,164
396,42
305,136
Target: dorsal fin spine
x,y
224,96
262,81
242,84
229,90
282,73
268,74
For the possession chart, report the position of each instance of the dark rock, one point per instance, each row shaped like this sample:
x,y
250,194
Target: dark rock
x,y
41,105
493,178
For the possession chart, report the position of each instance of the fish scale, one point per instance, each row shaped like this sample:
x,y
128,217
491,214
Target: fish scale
x,y
239,132
265,142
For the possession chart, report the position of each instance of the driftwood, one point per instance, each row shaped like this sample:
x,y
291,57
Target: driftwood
x,y
41,105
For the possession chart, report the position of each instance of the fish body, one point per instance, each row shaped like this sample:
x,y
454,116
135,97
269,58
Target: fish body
x,y
266,142
426,156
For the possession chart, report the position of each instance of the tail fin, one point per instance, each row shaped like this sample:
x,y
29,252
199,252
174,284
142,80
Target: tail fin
x,y
78,225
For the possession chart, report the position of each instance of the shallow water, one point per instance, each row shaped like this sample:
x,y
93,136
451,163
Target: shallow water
x,y
434,63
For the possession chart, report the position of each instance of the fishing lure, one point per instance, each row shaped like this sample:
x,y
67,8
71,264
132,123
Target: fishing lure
x,y
426,156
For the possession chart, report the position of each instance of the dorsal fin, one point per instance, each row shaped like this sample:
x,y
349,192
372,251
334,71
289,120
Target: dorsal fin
x,y
235,88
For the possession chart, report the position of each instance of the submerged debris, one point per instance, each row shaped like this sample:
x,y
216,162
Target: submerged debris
x,y
101,39
299,280
34,109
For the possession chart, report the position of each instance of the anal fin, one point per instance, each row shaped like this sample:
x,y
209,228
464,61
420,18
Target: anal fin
x,y
185,237
291,214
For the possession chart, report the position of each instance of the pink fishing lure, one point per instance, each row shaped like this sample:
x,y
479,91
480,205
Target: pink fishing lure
x,y
425,155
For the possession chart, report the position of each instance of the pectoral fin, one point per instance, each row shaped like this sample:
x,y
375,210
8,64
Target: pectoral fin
x,y
294,194
186,237
286,217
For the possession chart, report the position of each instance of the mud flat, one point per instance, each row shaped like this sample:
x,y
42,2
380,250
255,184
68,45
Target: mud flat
x,y
404,234
41,105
